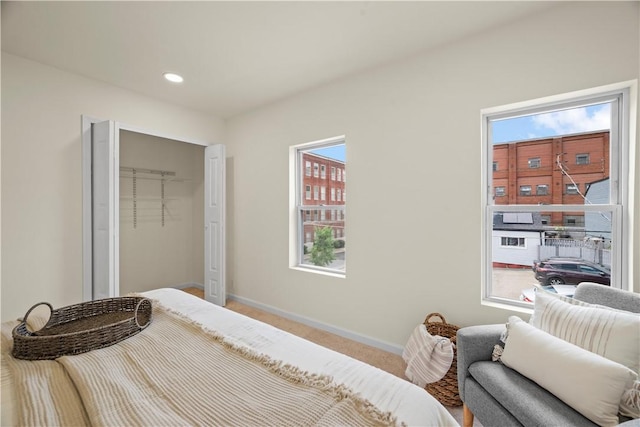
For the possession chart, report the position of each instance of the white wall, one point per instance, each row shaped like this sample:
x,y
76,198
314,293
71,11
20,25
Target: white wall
x,y
153,255
413,155
42,172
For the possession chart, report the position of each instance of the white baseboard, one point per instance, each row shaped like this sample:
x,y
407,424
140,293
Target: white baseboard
x,y
363,339
188,285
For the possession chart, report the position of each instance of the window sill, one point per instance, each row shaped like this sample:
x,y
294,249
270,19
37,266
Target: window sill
x,y
503,304
318,271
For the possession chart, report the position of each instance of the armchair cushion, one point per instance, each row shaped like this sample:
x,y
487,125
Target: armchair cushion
x,y
589,383
610,333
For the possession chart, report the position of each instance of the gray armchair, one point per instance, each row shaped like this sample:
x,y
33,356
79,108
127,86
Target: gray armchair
x,y
500,396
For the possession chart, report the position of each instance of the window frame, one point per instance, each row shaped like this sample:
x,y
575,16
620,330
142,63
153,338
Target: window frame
x,y
297,207
534,162
623,98
585,156
525,190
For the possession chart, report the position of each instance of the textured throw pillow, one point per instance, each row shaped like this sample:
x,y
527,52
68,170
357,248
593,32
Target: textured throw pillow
x,y
613,334
591,384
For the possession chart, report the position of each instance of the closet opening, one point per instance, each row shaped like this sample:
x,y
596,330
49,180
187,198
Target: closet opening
x,y
153,212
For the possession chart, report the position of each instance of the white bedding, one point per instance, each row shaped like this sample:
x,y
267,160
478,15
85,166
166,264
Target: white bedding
x,y
409,403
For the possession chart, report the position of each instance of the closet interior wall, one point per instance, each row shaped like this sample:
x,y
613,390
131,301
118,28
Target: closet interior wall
x,y
161,213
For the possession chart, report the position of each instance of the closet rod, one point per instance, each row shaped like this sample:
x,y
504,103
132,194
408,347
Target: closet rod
x,y
151,171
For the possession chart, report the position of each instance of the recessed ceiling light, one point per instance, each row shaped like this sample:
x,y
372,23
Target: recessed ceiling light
x,y
173,77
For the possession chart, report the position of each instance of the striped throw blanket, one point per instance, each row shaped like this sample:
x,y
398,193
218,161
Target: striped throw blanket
x,y
428,357
176,373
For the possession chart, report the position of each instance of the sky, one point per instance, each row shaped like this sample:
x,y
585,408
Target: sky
x,y
334,152
562,122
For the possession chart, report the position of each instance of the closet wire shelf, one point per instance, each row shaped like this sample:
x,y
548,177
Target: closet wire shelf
x,y
154,174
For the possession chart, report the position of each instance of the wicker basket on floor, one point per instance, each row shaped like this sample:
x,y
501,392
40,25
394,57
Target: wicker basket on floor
x,y
82,327
446,389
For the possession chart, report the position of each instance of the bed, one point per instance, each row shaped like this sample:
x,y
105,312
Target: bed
x,y
200,364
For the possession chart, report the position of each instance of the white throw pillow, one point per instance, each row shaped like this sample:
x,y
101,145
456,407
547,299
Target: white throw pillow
x,y
614,334
591,384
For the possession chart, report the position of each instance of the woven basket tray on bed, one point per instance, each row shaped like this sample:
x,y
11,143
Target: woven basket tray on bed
x,y
82,327
446,389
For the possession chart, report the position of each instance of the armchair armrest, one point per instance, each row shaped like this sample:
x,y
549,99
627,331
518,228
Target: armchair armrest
x,y
475,343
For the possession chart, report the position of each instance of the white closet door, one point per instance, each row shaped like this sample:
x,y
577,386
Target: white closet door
x,y
214,224
105,209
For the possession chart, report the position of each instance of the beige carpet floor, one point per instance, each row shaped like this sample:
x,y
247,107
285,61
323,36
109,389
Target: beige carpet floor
x,y
386,361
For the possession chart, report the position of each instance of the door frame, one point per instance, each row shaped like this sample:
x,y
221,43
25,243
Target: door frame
x,y
86,123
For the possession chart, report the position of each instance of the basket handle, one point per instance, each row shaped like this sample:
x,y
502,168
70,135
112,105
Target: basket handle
x,y
24,319
429,316
138,313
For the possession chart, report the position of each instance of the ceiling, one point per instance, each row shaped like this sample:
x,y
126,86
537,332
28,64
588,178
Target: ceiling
x,y
238,56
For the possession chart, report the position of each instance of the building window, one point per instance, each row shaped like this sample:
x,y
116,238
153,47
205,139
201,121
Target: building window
x,y
574,220
495,166
499,191
534,162
582,159
338,177
312,242
525,190
338,195
517,242
571,189
601,212
344,175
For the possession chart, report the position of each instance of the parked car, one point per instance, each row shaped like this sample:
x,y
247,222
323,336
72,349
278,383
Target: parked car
x,y
571,271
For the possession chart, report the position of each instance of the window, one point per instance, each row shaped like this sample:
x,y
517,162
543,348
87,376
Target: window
x,y
495,166
525,190
315,222
307,169
534,162
582,159
500,191
517,242
571,189
573,220
576,212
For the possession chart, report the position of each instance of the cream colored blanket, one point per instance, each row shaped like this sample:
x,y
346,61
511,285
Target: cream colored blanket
x,y
177,373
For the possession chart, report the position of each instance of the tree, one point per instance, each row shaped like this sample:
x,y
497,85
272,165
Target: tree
x,y
322,251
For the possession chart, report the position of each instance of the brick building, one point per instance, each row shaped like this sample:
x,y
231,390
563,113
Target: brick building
x,y
554,170
323,185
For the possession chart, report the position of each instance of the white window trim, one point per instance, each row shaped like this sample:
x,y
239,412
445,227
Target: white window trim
x,y
622,162
512,246
296,232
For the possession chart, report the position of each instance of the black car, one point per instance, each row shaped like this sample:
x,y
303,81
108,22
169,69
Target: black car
x,y
559,271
